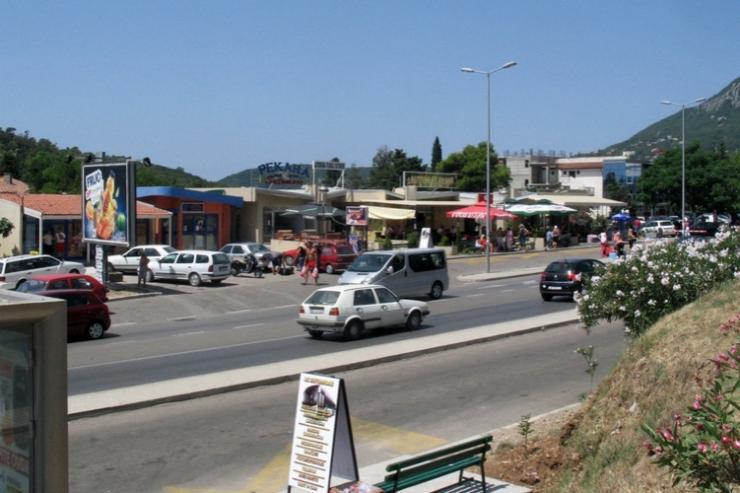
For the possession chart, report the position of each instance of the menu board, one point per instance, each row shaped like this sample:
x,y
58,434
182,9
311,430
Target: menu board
x,y
321,427
16,439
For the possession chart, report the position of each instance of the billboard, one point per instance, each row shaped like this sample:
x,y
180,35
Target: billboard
x,y
430,181
356,216
109,203
279,173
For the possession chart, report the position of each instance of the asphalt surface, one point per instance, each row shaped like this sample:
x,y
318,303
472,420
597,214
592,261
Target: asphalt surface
x,y
240,441
144,353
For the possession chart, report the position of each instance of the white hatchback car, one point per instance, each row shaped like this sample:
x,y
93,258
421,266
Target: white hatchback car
x,y
129,260
355,309
195,266
661,227
14,271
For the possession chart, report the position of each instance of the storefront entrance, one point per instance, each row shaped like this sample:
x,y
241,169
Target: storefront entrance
x,y
200,231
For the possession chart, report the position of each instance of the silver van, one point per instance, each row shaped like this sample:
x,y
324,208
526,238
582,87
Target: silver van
x,y
408,272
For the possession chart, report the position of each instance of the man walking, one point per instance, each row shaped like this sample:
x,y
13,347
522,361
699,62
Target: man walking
x,y
142,270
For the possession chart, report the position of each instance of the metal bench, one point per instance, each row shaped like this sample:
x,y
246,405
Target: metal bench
x,y
437,463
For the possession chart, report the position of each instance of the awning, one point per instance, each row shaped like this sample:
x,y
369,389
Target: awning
x,y
375,212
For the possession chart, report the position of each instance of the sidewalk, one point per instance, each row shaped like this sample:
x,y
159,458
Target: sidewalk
x,y
145,395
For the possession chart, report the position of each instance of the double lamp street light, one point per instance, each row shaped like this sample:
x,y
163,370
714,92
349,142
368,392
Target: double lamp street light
x,y
488,73
683,154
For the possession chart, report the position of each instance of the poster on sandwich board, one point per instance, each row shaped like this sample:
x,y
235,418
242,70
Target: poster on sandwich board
x,y
109,203
322,435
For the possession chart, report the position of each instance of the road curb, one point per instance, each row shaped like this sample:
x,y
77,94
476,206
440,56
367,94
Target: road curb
x,y
326,369
136,296
495,276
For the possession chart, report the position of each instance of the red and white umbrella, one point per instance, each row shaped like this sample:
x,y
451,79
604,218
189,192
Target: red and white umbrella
x,y
478,211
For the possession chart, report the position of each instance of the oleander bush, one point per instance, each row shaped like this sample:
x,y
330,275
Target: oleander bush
x,y
658,279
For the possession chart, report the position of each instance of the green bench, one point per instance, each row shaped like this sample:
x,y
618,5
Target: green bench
x,y
441,462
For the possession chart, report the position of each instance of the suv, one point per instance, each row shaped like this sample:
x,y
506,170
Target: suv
x,y
661,227
195,266
14,271
565,277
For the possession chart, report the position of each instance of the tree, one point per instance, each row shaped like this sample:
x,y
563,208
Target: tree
x,y
353,178
388,168
331,176
6,227
470,166
436,153
616,191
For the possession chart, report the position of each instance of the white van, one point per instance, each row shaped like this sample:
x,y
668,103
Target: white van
x,y
408,272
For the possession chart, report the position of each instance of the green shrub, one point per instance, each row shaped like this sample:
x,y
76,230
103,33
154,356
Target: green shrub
x,y
387,244
444,241
412,239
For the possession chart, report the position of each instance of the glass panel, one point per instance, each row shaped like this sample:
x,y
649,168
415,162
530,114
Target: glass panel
x,y
201,259
185,258
16,409
323,298
75,248
385,296
364,297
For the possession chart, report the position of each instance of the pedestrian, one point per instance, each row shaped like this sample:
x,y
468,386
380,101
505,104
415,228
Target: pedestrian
x,y
548,238
619,243
61,239
604,244
555,237
142,269
631,238
301,262
48,243
313,264
509,239
500,240
523,233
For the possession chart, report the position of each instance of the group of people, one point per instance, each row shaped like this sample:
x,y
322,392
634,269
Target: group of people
x,y
506,241
308,262
618,240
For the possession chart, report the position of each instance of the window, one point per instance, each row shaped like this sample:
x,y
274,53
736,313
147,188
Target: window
x,y
237,249
420,262
398,263
185,258
201,259
385,296
526,165
75,300
226,249
220,258
526,182
327,251
191,207
325,298
364,297
58,284
169,259
572,174
43,262
134,252
81,283
11,267
151,252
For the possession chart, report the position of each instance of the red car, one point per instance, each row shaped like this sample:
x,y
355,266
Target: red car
x,y
335,255
50,282
87,315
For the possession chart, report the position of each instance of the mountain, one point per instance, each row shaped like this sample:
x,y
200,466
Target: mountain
x,y
161,175
715,121
251,177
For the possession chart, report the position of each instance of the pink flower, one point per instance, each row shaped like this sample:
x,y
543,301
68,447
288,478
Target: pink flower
x,y
733,349
736,444
696,405
702,447
667,435
723,357
726,440
715,447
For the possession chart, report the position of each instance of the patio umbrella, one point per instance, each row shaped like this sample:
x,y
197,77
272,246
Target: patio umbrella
x,y
621,217
478,211
528,210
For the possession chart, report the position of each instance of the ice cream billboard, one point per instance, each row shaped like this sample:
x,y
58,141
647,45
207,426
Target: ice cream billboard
x,y
108,198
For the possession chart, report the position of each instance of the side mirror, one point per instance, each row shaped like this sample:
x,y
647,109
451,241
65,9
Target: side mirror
x,y
389,270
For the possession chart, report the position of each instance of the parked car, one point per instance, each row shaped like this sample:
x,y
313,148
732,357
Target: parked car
x,y
238,253
407,272
661,227
51,282
128,261
14,271
195,266
565,277
354,310
87,315
703,228
335,256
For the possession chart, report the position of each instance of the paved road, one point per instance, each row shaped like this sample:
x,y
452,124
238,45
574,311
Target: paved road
x,y
238,442
143,353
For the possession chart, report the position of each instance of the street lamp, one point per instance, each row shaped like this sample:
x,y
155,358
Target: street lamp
x,y
488,73
683,153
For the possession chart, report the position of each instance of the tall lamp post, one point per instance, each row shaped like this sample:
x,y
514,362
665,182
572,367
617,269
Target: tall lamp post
x,y
488,73
683,153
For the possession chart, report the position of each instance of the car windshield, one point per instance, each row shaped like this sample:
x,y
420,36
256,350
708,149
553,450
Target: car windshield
x,y
169,249
31,286
323,298
220,258
369,262
558,267
259,248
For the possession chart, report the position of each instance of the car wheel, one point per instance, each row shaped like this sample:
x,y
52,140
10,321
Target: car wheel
x,y
413,321
289,261
436,292
330,269
149,276
20,283
316,334
95,330
235,270
353,330
194,279
258,273
546,297
74,271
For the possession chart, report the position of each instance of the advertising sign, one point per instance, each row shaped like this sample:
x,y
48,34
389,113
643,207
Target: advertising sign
x,y
328,165
278,173
426,238
16,399
109,203
356,216
429,181
321,428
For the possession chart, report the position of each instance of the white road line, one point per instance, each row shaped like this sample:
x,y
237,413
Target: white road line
x,y
194,351
475,295
122,324
181,319
530,282
239,311
247,326
195,332
507,290
489,286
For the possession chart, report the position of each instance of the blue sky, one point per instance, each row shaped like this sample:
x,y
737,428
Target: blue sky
x,y
220,86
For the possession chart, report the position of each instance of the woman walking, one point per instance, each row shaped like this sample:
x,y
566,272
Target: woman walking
x,y
312,264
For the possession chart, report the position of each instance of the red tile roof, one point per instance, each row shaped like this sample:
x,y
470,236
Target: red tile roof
x,y
52,204
9,184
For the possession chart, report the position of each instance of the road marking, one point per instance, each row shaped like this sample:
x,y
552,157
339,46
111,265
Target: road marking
x,y
489,286
247,326
239,311
181,319
190,333
475,295
530,282
122,324
507,290
272,476
193,351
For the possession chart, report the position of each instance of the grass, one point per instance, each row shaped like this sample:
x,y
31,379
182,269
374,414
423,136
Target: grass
x,y
655,379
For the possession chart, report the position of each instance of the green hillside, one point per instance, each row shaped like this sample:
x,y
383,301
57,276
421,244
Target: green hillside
x,y
251,177
713,122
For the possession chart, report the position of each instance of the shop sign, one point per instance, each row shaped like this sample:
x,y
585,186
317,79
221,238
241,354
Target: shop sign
x,y
279,173
328,165
322,435
429,181
356,216
109,203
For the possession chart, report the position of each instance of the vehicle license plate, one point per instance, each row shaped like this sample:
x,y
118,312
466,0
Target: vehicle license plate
x,y
556,288
317,310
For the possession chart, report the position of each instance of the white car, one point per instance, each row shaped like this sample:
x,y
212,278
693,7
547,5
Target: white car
x,y
659,228
354,309
129,261
14,271
194,266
